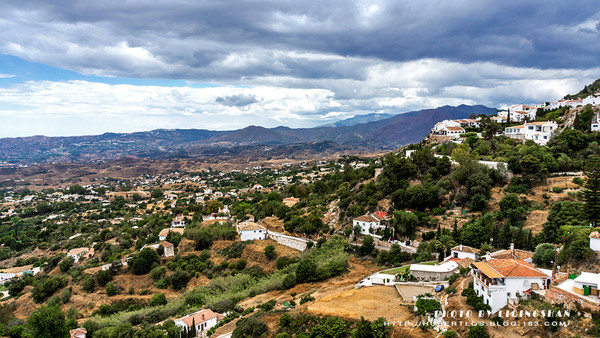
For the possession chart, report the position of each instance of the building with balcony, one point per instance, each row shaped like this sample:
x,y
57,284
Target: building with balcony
x,y
504,281
538,132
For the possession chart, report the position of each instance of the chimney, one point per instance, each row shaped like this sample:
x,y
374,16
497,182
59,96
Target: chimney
x,y
460,248
512,247
203,307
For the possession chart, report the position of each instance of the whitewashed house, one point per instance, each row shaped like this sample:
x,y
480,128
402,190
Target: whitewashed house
x,y
368,222
203,321
595,241
463,251
79,253
178,221
501,281
596,122
162,235
250,231
425,272
538,132
169,249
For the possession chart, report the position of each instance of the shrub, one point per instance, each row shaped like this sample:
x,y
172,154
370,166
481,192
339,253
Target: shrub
x,y
306,298
282,262
289,281
179,279
478,331
453,278
249,327
159,272
143,262
66,264
268,306
103,277
450,334
89,284
270,251
46,286
306,271
112,289
158,299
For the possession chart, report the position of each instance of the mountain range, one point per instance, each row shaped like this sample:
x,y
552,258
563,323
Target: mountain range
x,y
373,132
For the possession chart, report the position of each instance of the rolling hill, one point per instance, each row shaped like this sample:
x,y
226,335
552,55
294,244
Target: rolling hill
x,y
388,133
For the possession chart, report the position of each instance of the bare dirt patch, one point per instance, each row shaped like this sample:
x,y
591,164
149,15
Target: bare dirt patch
x,y
370,303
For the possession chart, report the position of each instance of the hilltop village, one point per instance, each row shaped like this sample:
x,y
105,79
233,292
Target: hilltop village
x,y
496,216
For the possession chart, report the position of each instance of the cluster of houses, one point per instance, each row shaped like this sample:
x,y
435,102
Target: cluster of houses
x,y
453,128
502,278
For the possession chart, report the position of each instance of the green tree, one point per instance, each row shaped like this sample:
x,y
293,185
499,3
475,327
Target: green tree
x,y
306,271
544,255
444,243
66,264
591,192
112,289
368,246
270,251
478,331
425,306
179,279
157,193
48,322
143,262
249,327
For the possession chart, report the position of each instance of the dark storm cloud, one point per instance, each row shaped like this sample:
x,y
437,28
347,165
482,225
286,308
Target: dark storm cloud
x,y
305,60
240,100
219,39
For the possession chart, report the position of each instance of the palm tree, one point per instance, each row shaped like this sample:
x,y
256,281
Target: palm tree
x,y
445,242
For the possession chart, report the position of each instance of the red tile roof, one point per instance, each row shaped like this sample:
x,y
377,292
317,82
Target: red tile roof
x,y
465,248
508,268
595,234
512,254
198,317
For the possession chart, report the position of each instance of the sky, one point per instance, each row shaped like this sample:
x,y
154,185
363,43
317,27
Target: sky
x,y
89,67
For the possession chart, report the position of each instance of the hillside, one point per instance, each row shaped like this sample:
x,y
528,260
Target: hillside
x,y
388,133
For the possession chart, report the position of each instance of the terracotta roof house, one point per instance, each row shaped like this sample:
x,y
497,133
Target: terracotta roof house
x,y
203,320
463,251
78,333
501,281
511,253
368,222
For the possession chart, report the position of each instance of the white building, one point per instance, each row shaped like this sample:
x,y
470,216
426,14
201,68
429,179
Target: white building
x,y
203,320
162,235
463,251
78,253
538,132
425,272
169,249
596,122
178,221
593,100
250,231
501,281
595,241
378,279
587,284
368,222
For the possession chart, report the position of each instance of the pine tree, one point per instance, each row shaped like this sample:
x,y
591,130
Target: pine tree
x,y
591,192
